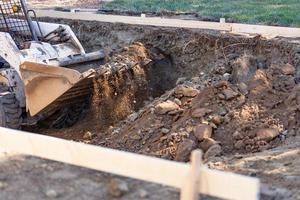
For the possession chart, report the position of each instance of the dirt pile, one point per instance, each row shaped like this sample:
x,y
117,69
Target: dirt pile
x,y
219,92
243,117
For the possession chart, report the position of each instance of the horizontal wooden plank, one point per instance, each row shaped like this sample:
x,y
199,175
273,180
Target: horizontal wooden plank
x,y
272,31
151,21
212,182
266,30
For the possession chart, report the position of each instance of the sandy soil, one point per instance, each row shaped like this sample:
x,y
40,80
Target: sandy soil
x,y
235,97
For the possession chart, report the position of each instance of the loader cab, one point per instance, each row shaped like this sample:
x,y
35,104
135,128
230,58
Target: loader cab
x,y
15,20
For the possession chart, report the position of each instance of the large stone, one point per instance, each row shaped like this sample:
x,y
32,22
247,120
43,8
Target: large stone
x,y
200,112
117,187
185,91
266,134
184,150
203,131
165,107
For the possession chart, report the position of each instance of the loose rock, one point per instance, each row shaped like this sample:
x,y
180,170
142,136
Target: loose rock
x,y
117,188
200,112
184,150
243,88
177,101
229,94
222,111
213,151
203,131
185,91
217,119
166,107
226,76
267,134
165,130
207,143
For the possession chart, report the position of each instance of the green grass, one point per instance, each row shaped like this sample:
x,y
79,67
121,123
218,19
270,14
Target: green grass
x,y
283,12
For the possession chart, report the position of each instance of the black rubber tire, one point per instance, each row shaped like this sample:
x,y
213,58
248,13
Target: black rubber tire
x,y
66,117
10,111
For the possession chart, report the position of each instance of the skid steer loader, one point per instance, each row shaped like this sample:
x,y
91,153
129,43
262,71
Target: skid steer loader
x,y
44,75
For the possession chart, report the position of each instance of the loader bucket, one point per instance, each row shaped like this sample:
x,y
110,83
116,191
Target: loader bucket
x,y
50,87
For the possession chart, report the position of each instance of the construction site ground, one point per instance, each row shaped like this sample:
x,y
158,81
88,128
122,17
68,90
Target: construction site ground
x,y
164,92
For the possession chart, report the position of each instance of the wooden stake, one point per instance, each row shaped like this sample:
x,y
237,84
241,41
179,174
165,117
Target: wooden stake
x,y
189,190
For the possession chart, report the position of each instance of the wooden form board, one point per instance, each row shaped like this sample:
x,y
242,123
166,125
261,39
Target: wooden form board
x,y
153,21
169,173
272,31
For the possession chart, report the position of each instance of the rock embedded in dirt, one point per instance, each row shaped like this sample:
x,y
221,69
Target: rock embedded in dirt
x,y
185,91
213,151
184,150
207,143
229,94
203,131
165,107
200,112
267,134
117,187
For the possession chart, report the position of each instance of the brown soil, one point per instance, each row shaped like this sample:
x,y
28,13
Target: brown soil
x,y
252,68
161,87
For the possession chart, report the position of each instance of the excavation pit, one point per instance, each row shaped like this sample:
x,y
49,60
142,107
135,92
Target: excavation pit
x,y
244,88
